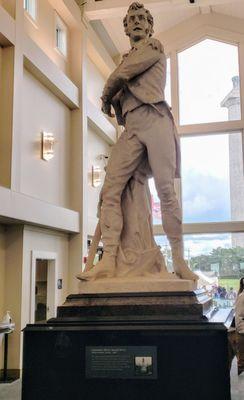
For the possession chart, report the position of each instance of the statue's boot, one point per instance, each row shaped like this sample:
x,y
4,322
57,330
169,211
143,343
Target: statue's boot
x,y
105,268
182,270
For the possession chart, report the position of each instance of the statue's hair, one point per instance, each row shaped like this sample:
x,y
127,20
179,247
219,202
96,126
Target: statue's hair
x,y
137,6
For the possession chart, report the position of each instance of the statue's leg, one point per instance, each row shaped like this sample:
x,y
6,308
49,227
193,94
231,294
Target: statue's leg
x,y
125,158
160,145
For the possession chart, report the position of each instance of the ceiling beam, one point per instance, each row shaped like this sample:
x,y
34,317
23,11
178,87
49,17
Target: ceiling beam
x,y
103,9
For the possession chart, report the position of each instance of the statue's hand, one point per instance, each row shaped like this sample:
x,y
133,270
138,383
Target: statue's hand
x,y
106,108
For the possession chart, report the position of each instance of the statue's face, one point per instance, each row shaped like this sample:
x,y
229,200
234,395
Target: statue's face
x,y
137,25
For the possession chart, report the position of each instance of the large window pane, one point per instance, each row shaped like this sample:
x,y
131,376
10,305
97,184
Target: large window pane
x,y
155,202
209,83
212,178
219,262
217,259
165,249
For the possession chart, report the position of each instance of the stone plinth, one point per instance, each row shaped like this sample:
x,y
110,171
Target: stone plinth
x,y
136,285
190,360
185,305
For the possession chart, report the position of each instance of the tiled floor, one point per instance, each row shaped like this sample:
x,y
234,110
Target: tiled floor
x,y
12,391
237,383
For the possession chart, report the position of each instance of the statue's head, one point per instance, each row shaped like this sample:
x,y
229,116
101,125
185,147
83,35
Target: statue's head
x,y
138,22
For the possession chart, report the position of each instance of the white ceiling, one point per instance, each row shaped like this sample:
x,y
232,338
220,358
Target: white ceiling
x,y
168,14
234,8
162,22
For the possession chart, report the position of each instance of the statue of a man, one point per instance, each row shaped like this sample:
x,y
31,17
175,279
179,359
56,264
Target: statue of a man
x,y
136,91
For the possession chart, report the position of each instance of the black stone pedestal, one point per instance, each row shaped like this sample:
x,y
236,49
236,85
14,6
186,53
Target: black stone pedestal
x,y
122,358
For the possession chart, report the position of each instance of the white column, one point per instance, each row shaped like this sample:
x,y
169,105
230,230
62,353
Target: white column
x,y
17,97
78,168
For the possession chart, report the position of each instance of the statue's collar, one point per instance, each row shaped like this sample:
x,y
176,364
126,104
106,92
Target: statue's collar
x,y
139,44
136,46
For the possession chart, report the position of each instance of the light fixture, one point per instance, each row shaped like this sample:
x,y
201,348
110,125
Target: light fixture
x,y
48,142
104,159
97,175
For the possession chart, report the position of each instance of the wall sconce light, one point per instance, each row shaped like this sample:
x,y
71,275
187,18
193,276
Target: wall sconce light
x,y
97,175
48,142
104,159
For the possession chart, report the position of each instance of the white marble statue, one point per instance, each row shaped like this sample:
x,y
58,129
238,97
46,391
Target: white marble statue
x,y
149,145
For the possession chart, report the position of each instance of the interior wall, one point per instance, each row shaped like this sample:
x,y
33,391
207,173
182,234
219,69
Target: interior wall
x,y
16,247
9,6
20,242
95,83
13,284
96,147
6,113
45,23
37,239
2,286
43,111
2,270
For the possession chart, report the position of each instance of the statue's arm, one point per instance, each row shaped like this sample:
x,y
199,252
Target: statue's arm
x,y
137,62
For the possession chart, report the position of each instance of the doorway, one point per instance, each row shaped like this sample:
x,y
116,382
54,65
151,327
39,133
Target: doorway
x,y
41,305
43,286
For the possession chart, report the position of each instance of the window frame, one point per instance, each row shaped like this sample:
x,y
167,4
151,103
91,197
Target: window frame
x,y
197,37
33,18
184,41
60,24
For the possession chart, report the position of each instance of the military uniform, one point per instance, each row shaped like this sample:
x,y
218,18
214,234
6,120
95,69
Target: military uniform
x,y
136,90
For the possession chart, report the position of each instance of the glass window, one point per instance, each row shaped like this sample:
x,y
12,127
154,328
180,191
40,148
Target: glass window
x,y
209,83
218,259
212,178
61,36
155,202
162,241
30,7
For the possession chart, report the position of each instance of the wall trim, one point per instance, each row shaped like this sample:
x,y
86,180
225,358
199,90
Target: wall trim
x,y
13,374
45,231
7,23
101,124
48,73
26,209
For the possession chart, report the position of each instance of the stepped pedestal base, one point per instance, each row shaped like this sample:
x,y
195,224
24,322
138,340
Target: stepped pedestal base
x,y
173,306
137,285
129,345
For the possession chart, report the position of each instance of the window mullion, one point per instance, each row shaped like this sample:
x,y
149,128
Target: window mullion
x,y
175,108
206,228
211,128
174,86
241,68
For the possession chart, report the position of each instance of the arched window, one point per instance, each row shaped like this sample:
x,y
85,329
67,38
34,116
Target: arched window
x,y
206,71
207,96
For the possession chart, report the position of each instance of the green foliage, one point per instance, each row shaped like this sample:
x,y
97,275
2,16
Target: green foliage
x,y
228,283
229,261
